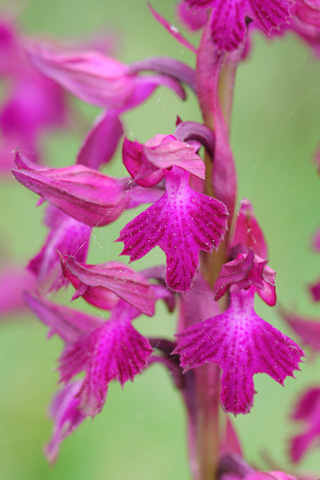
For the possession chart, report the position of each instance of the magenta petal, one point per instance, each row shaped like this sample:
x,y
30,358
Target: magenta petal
x,y
230,442
101,142
64,411
228,19
315,291
192,17
137,195
96,282
89,75
308,410
247,232
96,78
228,27
172,30
69,324
307,329
242,344
146,163
309,12
146,85
270,14
244,271
114,351
83,193
306,404
136,162
182,223
67,236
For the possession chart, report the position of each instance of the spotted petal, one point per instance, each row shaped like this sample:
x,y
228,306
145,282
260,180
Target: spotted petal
x,y
182,223
228,18
114,351
242,344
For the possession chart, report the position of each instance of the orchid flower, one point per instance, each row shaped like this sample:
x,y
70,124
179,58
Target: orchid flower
x,y
104,350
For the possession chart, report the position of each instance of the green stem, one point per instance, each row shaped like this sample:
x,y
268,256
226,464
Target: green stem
x,y
215,81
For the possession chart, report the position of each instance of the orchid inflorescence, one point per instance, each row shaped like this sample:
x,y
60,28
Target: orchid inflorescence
x,y
215,250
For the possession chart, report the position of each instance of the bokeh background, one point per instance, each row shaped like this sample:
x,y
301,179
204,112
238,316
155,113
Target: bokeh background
x,y
275,132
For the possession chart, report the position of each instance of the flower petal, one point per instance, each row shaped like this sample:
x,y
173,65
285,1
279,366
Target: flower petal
x,y
269,14
101,142
67,236
172,30
114,351
307,409
69,324
244,271
99,280
247,233
146,163
89,75
83,193
182,223
308,329
64,411
242,344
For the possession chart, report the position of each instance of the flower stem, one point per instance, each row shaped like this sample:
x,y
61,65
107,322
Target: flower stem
x,y
215,75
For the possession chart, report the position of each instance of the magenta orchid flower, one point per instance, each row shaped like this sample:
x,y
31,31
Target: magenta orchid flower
x,y
104,350
242,344
181,223
238,340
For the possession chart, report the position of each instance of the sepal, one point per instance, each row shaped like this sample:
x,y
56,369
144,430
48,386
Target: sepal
x,y
102,285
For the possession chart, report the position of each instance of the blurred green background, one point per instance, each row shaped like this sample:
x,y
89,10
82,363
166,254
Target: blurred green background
x,y
275,131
